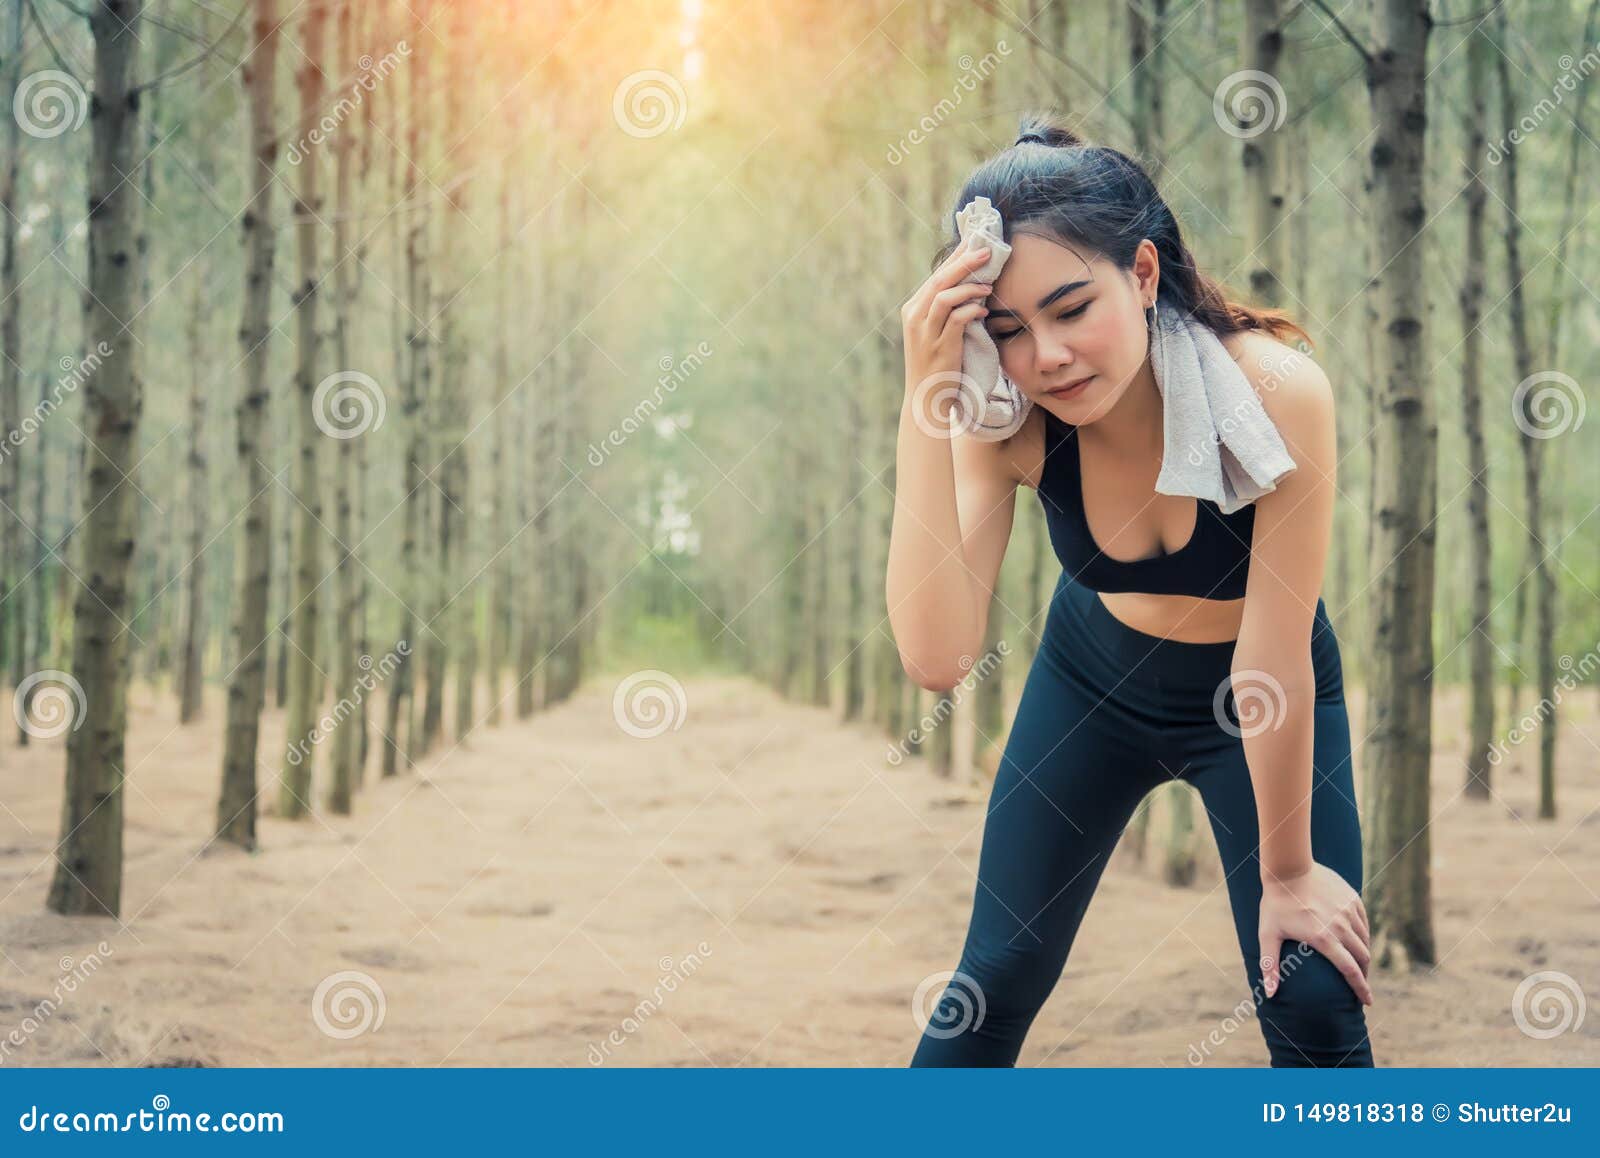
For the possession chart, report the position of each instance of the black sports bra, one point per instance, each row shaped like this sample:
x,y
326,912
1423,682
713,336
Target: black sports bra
x,y
1213,564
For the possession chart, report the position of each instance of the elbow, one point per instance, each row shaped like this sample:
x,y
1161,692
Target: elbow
x,y
1274,683
935,653
938,676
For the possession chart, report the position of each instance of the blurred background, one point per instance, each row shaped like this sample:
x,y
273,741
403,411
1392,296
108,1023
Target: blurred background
x,y
446,484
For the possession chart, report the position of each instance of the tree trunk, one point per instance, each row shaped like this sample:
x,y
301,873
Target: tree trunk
x,y
280,585
854,522
459,603
437,653
535,622
1531,436
503,486
1178,865
192,637
533,513
13,615
344,767
1579,145
1480,558
48,610
154,653
1147,34
88,872
821,598
572,596
1400,691
294,789
236,810
1263,156
794,607
418,372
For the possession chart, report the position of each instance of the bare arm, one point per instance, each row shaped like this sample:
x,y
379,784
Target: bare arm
x,y
955,502
1302,899
954,495
1272,659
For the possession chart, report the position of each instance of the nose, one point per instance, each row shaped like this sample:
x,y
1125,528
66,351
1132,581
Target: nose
x,y
1050,354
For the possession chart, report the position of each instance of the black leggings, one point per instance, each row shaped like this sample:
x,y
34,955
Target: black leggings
x,y
1107,714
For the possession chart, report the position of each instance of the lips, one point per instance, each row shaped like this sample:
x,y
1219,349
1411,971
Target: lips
x,y
1069,388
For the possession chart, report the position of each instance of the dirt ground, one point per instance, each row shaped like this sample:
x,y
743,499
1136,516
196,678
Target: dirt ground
x,y
758,887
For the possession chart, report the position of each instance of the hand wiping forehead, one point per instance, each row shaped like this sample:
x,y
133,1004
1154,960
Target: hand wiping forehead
x,y
989,405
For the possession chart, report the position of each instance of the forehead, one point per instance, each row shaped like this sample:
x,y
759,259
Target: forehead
x,y
1038,265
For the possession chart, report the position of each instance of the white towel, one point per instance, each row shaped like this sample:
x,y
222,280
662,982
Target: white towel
x,y
988,406
1217,441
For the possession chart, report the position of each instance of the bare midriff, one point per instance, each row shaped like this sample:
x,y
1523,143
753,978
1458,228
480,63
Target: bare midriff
x,y
1182,618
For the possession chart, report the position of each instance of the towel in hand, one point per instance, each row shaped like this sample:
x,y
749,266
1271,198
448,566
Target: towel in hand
x,y
1218,442
988,406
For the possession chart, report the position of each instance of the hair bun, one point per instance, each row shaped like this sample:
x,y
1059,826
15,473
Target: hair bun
x,y
1042,131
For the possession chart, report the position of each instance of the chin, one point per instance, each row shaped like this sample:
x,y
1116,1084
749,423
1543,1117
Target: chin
x,y
1083,410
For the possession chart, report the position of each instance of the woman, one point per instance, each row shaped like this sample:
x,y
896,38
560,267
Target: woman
x,y
1167,616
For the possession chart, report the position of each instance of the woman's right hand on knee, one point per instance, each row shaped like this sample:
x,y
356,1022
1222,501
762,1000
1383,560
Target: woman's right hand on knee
x,y
1319,908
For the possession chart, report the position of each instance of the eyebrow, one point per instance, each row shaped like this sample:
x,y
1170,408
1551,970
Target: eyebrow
x,y
1044,303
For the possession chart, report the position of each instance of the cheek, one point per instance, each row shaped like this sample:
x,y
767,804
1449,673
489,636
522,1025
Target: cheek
x,y
1125,342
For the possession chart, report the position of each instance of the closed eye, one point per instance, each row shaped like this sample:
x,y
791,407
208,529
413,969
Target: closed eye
x,y
1066,316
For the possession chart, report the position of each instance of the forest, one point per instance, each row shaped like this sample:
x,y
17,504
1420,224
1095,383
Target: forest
x,y
447,467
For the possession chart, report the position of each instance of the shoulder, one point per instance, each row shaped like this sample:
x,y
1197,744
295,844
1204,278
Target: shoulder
x,y
1017,461
1294,389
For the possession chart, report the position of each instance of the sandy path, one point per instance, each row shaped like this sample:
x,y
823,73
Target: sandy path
x,y
515,899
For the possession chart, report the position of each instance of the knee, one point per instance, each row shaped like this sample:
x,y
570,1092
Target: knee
x,y
1005,983
1315,1018
986,1007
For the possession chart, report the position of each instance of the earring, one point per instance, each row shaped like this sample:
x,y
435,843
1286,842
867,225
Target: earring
x,y
1156,351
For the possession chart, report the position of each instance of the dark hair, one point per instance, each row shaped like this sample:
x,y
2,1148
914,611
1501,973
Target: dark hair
x,y
1052,183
